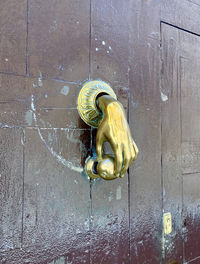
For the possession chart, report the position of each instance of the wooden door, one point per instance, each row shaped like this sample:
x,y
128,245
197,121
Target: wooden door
x,y
180,135
149,52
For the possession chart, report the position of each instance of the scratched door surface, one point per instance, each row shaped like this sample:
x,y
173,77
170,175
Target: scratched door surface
x,y
181,135
50,213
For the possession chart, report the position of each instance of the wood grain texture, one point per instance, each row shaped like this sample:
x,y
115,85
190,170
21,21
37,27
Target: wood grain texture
x,y
109,57
54,103
144,119
109,46
56,199
13,36
171,149
59,39
183,14
11,189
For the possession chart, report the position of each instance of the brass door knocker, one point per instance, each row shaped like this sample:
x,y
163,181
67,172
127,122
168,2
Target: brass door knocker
x,y
98,107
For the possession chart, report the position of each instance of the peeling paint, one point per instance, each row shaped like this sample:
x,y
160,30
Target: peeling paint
x,y
164,97
110,197
53,27
40,84
65,90
119,193
60,261
29,117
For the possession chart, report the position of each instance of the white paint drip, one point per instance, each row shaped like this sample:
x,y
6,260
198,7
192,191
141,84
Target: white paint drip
x,y
60,159
40,84
164,97
28,117
65,90
119,193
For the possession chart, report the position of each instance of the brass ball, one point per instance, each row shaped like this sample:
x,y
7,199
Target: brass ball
x,y
105,168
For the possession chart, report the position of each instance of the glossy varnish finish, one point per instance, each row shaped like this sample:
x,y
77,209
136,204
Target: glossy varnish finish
x,y
149,52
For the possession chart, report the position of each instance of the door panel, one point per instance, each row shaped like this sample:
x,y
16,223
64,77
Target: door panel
x,y
149,52
13,36
58,39
144,119
180,141
109,61
181,13
11,186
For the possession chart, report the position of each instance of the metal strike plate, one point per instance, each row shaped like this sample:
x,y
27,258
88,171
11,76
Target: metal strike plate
x,y
167,223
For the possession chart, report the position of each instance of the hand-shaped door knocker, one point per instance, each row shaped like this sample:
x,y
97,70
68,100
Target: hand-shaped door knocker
x,y
99,108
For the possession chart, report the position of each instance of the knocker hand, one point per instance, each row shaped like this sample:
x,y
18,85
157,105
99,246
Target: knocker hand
x,y
114,128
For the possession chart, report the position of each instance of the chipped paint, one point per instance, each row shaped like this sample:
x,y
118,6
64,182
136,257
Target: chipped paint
x,y
29,117
119,193
53,27
110,197
65,90
60,261
40,83
37,172
164,97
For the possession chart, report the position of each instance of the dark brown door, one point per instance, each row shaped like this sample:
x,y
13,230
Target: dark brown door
x,y
180,134
149,52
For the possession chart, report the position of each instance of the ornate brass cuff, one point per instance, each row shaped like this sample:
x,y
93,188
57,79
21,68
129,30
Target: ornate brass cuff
x,y
86,102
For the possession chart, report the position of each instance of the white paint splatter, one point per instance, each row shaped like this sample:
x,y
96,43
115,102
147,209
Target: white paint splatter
x,y
53,26
46,95
108,51
32,103
40,84
37,172
103,43
110,48
164,97
59,158
28,117
65,90
97,49
119,193
110,197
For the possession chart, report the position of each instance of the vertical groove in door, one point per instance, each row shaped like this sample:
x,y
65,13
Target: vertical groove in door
x,y
90,39
91,134
27,24
161,156
23,139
